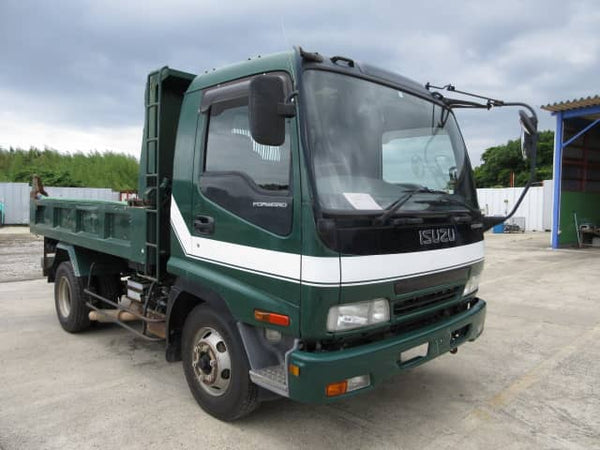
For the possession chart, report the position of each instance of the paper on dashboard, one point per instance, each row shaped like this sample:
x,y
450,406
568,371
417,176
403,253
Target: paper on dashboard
x,y
362,200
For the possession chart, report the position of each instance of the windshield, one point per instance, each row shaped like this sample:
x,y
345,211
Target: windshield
x,y
372,144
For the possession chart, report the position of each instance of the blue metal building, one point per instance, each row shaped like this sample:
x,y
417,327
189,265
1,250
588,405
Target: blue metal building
x,y
576,199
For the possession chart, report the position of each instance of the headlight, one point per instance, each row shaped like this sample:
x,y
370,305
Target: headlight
x,y
357,315
472,283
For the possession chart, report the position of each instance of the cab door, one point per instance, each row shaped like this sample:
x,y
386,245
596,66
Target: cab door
x,y
246,206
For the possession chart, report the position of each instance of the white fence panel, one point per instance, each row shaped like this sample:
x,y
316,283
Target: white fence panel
x,y
15,200
548,204
500,201
83,193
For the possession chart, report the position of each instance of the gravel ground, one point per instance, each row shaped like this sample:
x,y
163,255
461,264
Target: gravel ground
x,y
20,253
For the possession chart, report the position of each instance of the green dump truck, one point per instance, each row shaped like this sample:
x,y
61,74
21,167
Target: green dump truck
x,y
306,227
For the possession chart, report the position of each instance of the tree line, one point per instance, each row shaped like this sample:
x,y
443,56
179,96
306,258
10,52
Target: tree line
x,y
500,162
107,170
120,172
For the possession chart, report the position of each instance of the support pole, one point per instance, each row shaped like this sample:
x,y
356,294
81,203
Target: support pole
x,y
558,147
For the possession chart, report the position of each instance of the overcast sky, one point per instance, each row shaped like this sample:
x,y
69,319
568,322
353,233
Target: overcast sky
x,y
73,72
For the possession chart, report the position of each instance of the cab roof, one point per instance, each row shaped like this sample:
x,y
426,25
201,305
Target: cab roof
x,y
287,61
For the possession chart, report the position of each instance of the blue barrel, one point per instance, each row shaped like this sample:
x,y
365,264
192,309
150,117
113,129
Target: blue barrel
x,y
498,229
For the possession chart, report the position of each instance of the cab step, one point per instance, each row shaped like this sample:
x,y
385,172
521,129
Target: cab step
x,y
273,378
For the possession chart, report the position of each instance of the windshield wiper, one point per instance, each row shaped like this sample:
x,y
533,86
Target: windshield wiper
x,y
449,200
391,209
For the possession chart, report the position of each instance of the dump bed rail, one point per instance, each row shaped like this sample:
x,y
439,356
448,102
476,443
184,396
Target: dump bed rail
x,y
104,226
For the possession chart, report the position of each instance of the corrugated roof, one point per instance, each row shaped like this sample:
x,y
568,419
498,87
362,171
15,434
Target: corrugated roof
x,y
583,102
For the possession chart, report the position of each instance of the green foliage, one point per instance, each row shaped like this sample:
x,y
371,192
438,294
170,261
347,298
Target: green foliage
x,y
120,172
108,170
499,162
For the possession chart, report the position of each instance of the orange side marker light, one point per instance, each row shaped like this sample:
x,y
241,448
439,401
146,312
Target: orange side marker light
x,y
294,370
272,318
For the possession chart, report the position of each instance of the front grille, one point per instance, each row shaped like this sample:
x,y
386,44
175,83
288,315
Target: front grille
x,y
396,329
433,318
413,304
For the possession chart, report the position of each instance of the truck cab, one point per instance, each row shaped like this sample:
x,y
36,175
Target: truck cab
x,y
341,234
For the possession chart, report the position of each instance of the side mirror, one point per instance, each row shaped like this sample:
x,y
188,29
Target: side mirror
x,y
529,123
268,110
529,139
528,135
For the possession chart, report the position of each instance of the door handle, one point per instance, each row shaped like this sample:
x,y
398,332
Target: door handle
x,y
204,224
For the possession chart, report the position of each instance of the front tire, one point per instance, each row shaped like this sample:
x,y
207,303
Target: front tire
x,y
216,367
69,300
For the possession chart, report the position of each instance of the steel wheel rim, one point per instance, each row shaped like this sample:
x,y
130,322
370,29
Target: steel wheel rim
x,y
64,297
211,362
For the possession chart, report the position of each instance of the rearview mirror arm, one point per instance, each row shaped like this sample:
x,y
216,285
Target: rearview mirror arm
x,y
529,122
287,109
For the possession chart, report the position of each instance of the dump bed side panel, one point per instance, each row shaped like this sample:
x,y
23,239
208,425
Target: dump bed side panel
x,y
107,227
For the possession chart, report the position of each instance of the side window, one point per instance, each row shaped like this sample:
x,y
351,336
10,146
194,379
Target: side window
x,y
248,179
230,148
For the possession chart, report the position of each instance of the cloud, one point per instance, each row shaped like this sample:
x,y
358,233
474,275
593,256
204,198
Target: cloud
x,y
20,133
73,71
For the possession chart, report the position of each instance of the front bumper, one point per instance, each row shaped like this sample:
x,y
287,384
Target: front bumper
x,y
381,359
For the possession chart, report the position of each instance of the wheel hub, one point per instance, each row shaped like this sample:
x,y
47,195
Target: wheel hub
x,y
64,297
204,363
211,361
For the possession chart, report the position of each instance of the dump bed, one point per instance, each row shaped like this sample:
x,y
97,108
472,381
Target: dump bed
x,y
104,226
136,233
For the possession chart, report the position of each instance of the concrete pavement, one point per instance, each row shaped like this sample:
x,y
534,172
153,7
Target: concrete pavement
x,y
531,380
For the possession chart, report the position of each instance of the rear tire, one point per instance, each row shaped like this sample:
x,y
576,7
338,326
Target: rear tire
x,y
216,367
69,300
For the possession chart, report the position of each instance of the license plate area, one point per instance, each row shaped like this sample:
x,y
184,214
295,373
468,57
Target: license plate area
x,y
412,354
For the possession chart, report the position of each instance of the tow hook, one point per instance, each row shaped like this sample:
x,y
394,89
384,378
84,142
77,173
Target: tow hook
x,y
454,350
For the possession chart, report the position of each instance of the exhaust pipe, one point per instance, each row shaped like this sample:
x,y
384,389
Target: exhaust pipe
x,y
112,315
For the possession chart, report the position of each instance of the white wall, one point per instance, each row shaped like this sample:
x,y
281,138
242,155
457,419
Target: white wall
x,y
15,198
500,201
83,193
548,204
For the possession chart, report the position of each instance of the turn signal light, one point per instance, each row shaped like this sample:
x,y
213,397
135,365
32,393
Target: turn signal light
x,y
338,388
272,318
349,385
294,370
